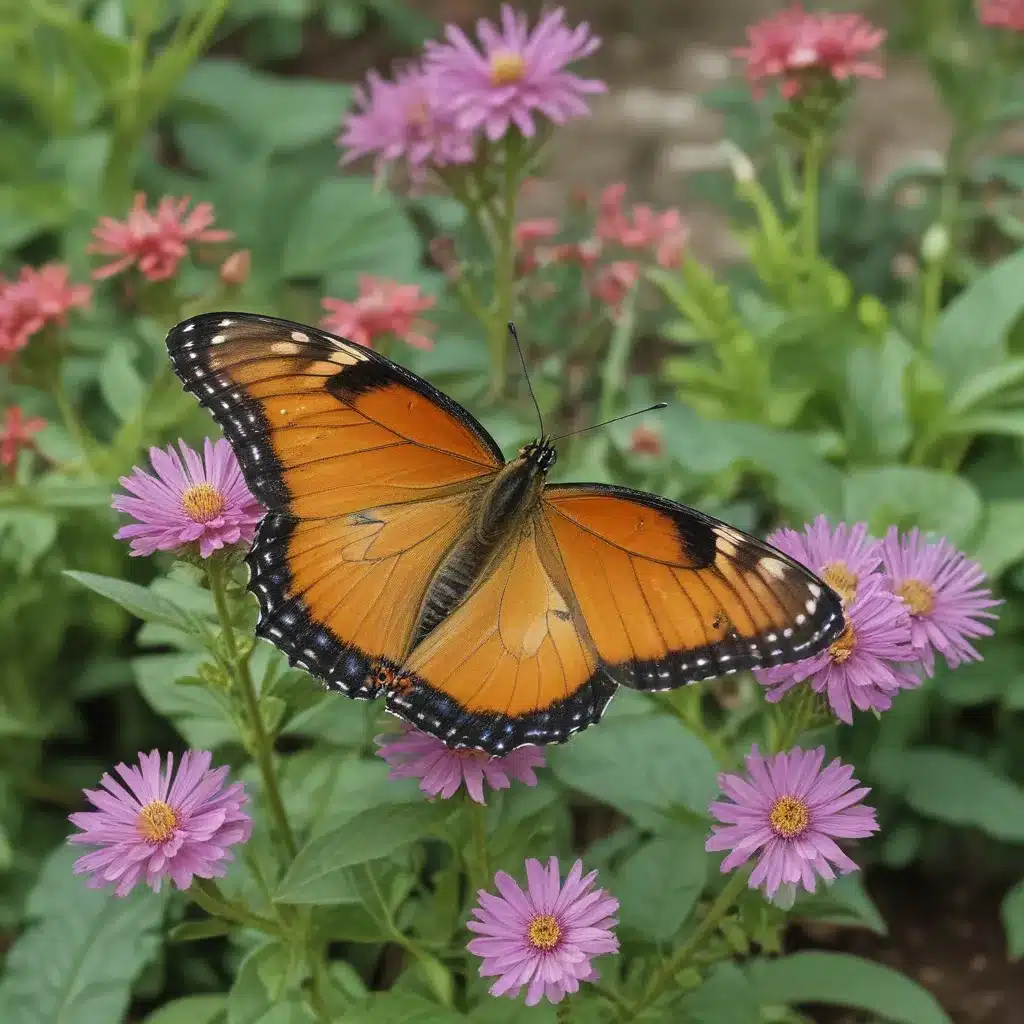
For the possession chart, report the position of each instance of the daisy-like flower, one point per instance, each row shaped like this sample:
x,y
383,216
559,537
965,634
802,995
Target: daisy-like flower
x,y
866,666
791,810
383,308
203,498
942,589
16,433
35,299
842,557
412,754
518,74
163,825
642,229
794,46
154,242
1007,14
543,938
404,119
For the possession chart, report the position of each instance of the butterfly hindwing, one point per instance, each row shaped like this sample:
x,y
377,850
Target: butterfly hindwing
x,y
672,596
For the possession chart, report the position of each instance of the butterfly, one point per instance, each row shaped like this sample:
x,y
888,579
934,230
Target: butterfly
x,y
402,556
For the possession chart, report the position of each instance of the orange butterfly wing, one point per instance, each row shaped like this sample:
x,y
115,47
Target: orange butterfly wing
x,y
368,473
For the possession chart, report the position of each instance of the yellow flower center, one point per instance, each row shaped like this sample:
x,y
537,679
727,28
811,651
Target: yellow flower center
x,y
202,502
506,67
839,577
843,647
156,822
544,932
919,597
789,817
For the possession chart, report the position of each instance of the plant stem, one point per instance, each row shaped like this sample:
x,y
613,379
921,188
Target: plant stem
x,y
613,373
813,157
479,872
504,271
261,741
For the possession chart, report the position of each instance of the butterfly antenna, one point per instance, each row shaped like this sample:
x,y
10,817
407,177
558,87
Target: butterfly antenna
x,y
614,419
526,374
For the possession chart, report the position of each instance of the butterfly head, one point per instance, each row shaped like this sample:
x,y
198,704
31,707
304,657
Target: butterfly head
x,y
540,453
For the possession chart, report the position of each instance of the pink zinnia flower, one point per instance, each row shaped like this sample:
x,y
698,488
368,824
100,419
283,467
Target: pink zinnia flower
x,y
155,242
519,73
792,810
203,499
662,233
35,299
164,825
1002,14
543,938
842,557
404,119
866,666
412,754
942,589
382,308
793,44
16,433
615,281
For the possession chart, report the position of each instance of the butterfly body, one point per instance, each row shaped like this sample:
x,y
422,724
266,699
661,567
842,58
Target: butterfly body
x,y
402,557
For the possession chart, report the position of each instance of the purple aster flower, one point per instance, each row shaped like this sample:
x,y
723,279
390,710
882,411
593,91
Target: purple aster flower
x,y
404,118
203,499
942,590
545,937
866,665
792,810
412,754
162,825
841,557
518,74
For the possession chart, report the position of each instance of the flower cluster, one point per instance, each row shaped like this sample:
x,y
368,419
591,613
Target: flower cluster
x,y
1008,14
434,111
797,48
36,298
905,600
382,309
16,433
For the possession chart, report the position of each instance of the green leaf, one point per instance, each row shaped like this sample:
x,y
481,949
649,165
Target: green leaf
x,y
981,682
658,885
193,931
77,960
29,208
251,1000
726,997
403,1007
909,496
135,599
1000,543
955,787
122,388
318,874
190,1010
645,765
25,536
347,228
970,335
874,408
844,980
843,902
1012,912
989,382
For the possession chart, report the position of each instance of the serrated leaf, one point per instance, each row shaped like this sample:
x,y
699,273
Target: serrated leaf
x,y
138,600
77,960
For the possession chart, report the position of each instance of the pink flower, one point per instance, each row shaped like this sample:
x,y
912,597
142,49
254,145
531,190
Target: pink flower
x,y
793,45
1002,14
792,810
16,433
203,499
163,825
645,441
155,242
404,119
530,232
661,233
842,557
943,592
35,299
543,938
615,281
382,308
866,666
519,74
415,755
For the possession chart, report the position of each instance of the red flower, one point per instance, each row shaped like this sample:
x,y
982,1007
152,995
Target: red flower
x,y
791,43
157,242
645,441
615,280
16,433
382,308
661,233
1002,14
35,299
530,232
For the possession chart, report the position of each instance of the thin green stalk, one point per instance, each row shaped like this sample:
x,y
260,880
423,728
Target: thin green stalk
x,y
616,363
479,870
504,273
264,748
318,985
205,894
813,157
